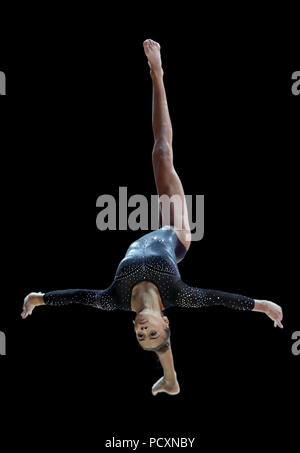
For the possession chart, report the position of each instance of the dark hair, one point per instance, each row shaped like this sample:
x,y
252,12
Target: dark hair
x,y
164,345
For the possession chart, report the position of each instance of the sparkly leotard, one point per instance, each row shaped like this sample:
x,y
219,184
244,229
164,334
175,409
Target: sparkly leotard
x,y
153,258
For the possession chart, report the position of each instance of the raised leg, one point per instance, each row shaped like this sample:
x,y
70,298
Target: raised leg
x,y
167,181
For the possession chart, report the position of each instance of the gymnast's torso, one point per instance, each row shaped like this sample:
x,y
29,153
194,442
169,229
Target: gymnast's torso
x,y
152,258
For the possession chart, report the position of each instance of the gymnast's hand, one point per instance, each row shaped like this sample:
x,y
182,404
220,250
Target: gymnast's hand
x,y
30,302
169,386
272,310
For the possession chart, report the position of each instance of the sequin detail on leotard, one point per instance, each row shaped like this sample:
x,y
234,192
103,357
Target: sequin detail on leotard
x,y
153,258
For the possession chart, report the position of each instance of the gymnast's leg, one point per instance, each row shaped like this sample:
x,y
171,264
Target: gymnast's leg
x,y
166,179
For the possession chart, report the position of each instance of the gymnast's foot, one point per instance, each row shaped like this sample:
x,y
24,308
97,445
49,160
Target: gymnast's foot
x,y
30,302
163,385
152,51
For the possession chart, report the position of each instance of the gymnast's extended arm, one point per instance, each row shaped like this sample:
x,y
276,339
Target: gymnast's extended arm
x,y
97,298
188,296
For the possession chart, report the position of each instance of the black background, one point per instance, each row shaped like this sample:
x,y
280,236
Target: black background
x,y
77,124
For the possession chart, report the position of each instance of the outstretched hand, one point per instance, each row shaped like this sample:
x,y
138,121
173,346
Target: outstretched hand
x,y
163,385
30,302
274,312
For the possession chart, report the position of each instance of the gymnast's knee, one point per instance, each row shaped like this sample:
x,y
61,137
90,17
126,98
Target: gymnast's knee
x,y
162,153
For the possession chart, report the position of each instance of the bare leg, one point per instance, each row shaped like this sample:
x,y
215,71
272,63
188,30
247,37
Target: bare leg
x,y
168,383
166,179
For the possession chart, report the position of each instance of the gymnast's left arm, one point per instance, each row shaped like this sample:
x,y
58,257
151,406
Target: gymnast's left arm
x,y
192,297
271,309
102,299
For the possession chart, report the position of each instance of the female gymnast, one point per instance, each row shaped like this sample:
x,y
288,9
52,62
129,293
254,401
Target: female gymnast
x,y
147,280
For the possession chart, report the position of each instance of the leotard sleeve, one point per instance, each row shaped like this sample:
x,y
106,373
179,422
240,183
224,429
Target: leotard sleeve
x,y
102,299
191,297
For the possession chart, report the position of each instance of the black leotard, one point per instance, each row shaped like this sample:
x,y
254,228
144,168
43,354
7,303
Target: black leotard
x,y
153,258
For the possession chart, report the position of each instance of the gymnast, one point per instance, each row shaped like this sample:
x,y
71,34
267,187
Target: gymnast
x,y
147,280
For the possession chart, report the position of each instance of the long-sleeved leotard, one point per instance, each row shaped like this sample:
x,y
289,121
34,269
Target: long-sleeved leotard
x,y
153,258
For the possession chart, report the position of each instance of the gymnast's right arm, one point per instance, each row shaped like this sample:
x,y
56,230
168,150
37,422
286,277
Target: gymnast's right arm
x,y
188,296
93,297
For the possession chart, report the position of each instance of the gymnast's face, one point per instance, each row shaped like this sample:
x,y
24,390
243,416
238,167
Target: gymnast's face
x,y
150,329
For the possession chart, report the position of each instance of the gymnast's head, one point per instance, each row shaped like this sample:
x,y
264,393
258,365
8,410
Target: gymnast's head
x,y
152,332
151,327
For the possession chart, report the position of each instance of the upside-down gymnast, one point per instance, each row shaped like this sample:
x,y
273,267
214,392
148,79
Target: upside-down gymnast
x,y
147,280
